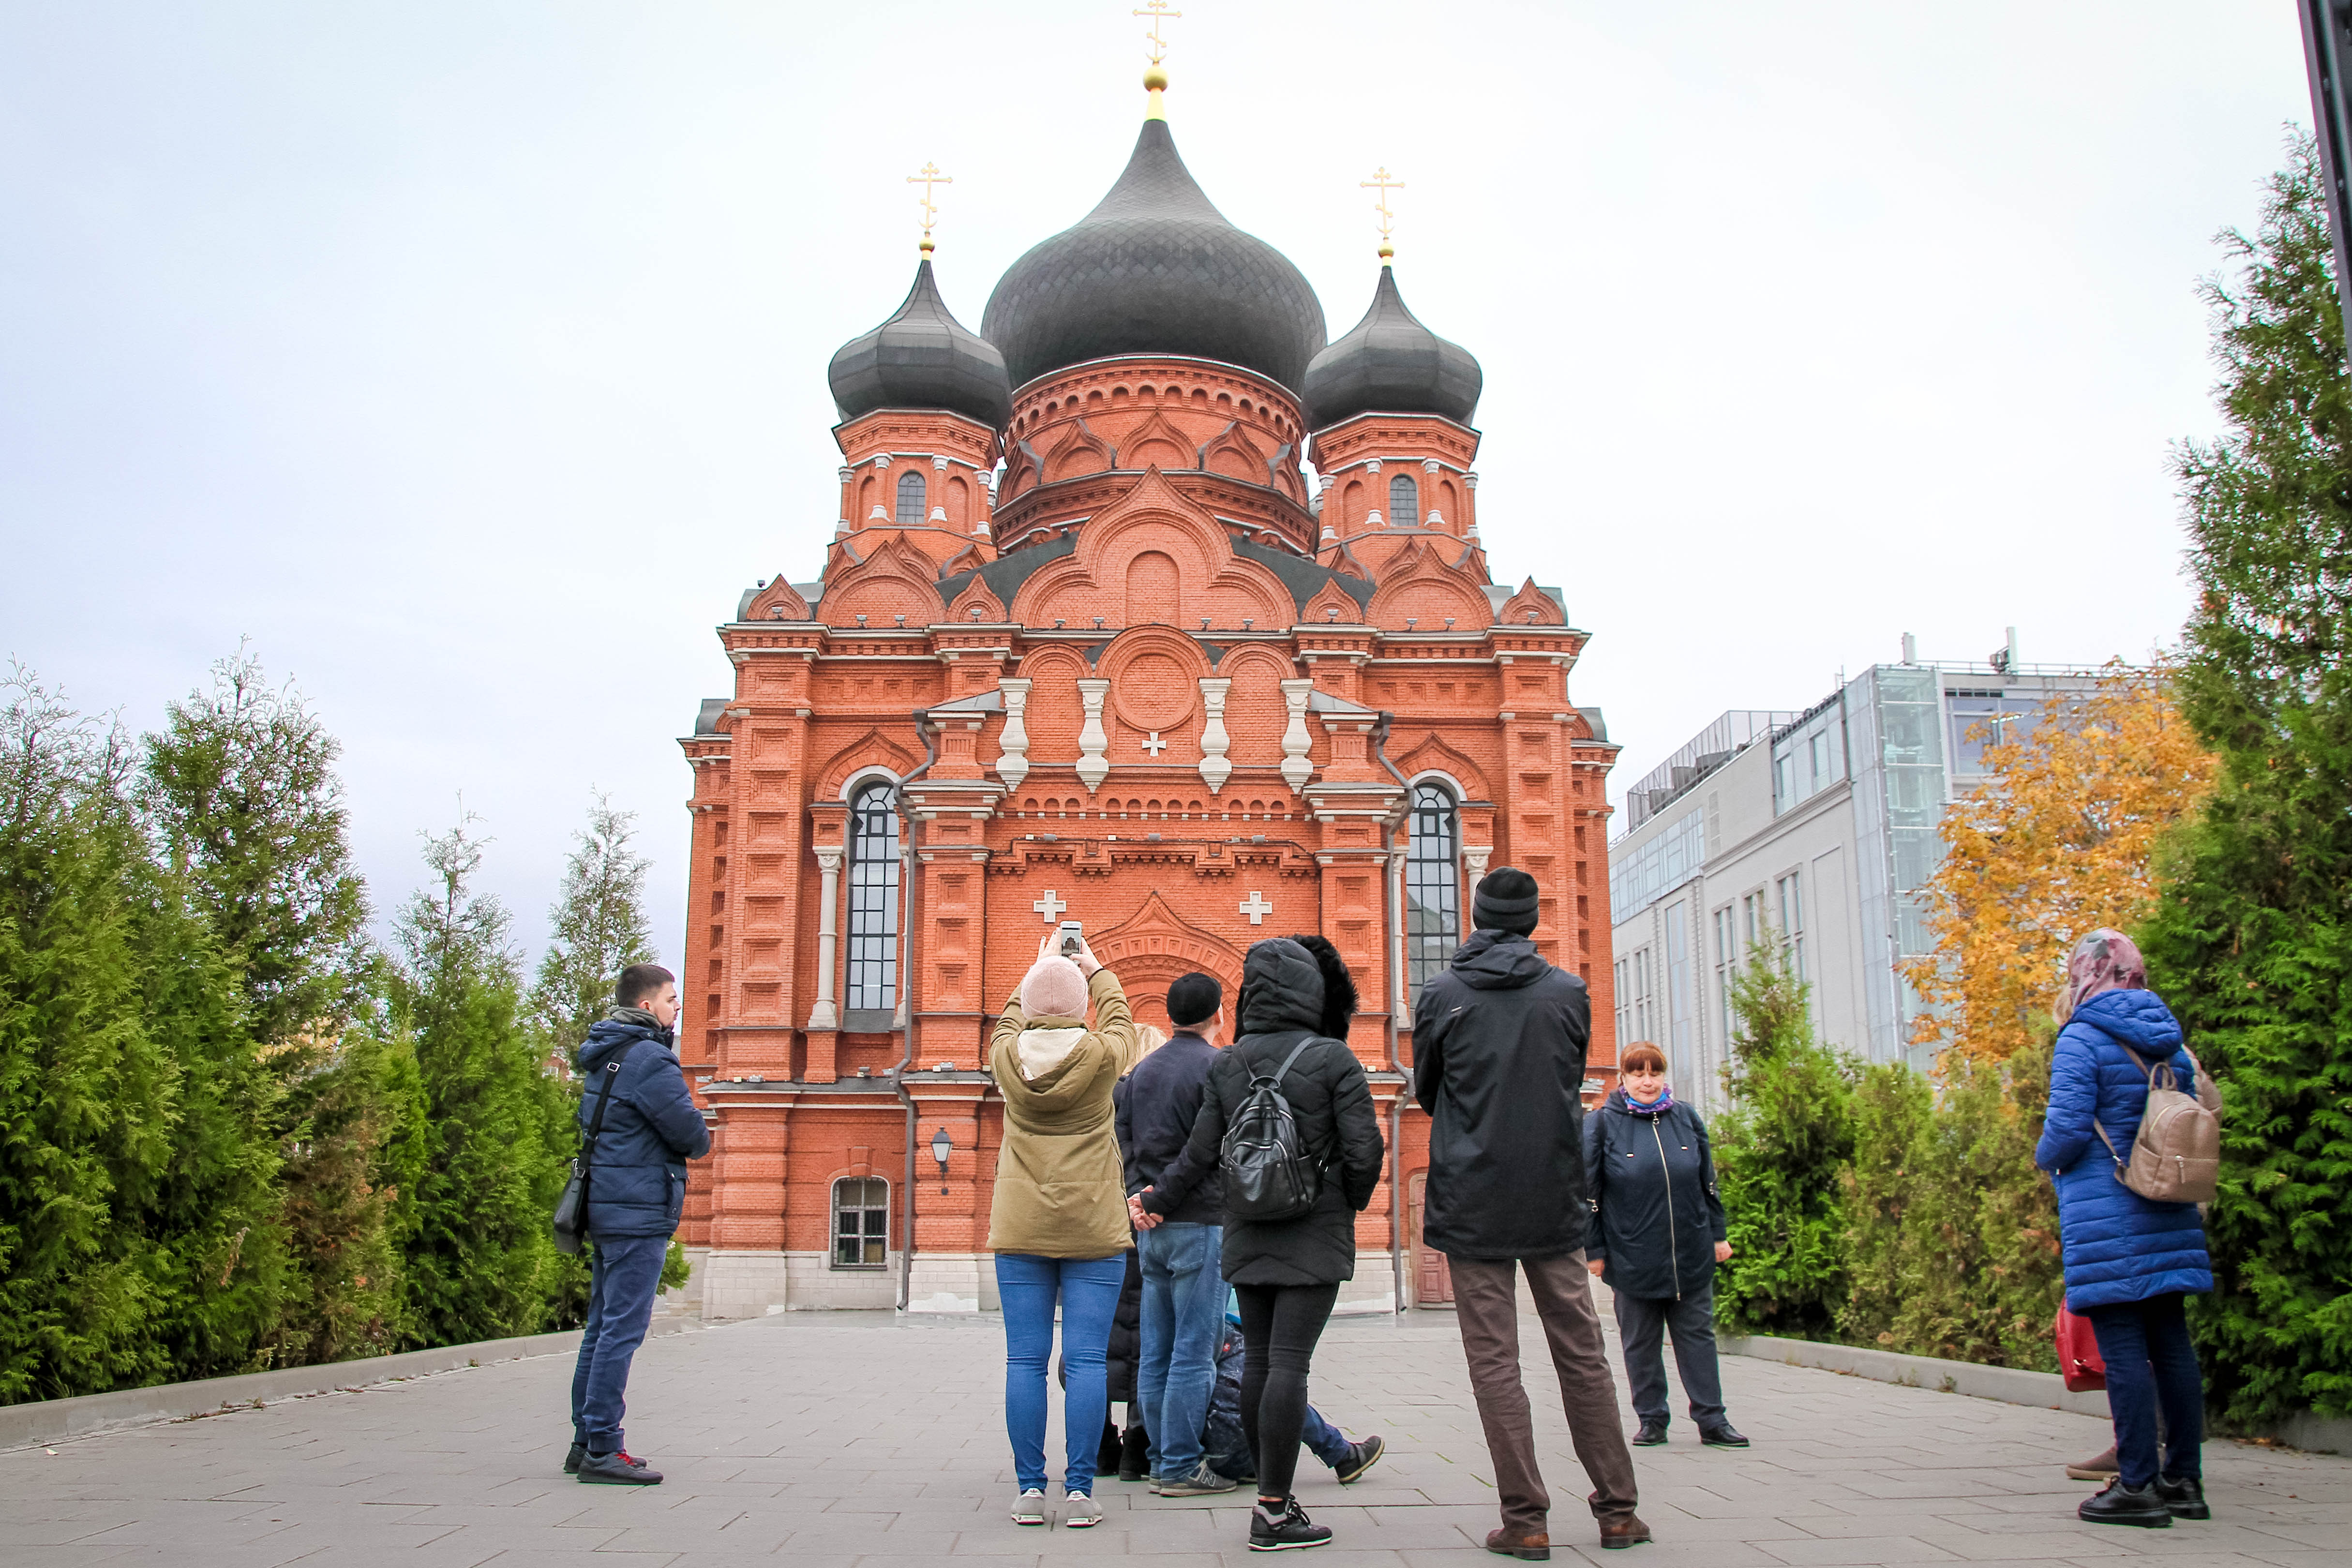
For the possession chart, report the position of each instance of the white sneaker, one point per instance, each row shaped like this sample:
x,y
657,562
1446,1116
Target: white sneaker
x,y
1029,1508
1080,1511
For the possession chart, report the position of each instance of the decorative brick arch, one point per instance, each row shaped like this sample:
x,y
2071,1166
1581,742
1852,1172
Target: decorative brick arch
x,y
1531,606
1150,949
1431,754
896,580
1419,584
871,749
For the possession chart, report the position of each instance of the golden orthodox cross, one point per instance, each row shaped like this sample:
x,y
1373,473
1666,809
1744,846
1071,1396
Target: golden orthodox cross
x,y
1157,10
1384,184
930,177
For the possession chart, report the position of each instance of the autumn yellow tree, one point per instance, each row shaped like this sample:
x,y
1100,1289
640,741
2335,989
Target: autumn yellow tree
x,y
2055,842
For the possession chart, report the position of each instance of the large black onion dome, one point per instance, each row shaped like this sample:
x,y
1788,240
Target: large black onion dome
x,y
922,358
1391,364
1155,269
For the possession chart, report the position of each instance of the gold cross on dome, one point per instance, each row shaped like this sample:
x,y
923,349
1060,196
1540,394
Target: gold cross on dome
x,y
1384,182
930,177
1157,11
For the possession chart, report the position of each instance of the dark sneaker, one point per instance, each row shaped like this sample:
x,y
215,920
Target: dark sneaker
x,y
1722,1437
2116,1503
572,1460
617,1469
1201,1482
2185,1498
1080,1510
1286,1528
1627,1531
1361,1457
2101,1469
1651,1434
1535,1546
1134,1454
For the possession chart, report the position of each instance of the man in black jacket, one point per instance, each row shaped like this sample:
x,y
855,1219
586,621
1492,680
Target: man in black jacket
x,y
1183,1293
636,1191
1498,1045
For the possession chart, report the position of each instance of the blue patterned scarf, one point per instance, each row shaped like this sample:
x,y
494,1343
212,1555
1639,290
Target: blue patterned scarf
x,y
1658,1107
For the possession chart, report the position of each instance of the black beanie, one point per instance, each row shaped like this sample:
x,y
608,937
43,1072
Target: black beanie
x,y
1506,901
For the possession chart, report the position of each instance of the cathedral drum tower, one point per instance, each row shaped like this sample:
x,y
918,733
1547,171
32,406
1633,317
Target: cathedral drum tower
x,y
1088,645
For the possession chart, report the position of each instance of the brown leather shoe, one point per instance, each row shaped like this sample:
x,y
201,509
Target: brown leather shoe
x,y
1627,1531
1535,1546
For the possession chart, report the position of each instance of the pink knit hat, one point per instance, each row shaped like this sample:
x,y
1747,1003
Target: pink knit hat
x,y
1053,987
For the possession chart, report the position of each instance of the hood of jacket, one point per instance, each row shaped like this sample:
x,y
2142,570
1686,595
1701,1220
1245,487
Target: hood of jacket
x,y
1047,1044
1282,988
610,1037
2138,1018
1499,961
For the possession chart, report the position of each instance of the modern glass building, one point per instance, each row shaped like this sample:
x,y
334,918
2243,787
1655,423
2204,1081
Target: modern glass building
x,y
1816,833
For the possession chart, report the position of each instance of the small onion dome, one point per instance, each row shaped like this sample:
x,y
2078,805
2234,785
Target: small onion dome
x,y
922,358
1391,364
1155,269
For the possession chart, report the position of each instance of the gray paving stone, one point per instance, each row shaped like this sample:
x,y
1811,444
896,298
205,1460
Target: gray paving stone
x,y
860,1441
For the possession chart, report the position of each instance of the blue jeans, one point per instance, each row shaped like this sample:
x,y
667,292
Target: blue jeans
x,y
2151,1363
1324,1440
1087,1288
1183,1315
623,1276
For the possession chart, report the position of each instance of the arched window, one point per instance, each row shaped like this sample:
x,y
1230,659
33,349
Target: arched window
x,y
861,1222
1404,502
874,899
1432,885
910,498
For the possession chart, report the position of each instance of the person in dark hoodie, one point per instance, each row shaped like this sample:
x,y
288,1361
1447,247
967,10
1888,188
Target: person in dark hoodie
x,y
636,1191
1498,1043
1657,1235
1285,1273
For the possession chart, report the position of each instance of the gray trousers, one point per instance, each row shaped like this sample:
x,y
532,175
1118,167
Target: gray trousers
x,y
1641,1327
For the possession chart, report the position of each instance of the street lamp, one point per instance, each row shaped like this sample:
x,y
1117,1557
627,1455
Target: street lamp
x,y
942,1146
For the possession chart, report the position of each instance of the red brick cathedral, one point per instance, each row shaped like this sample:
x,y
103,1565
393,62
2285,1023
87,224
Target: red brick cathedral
x,y
1087,645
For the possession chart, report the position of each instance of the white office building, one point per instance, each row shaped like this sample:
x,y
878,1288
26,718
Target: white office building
x,y
1816,830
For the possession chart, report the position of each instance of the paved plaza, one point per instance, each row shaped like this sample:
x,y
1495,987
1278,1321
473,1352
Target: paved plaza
x,y
838,1439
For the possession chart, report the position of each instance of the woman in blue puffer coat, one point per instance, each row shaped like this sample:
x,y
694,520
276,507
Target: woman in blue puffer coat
x,y
2130,1260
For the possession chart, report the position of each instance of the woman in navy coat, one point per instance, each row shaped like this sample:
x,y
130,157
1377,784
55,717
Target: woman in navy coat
x,y
2130,1261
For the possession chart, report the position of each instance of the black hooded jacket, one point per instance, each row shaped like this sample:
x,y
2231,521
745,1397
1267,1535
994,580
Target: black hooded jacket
x,y
1498,1045
1282,1005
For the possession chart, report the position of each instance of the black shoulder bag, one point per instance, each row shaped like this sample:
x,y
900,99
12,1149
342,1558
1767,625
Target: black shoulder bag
x,y
571,1222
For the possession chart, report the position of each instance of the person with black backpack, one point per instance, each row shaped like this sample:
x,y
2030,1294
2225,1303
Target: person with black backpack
x,y
1287,1123
639,1125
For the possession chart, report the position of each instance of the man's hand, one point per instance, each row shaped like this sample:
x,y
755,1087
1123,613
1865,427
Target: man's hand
x,y
1138,1216
1723,1251
1596,1265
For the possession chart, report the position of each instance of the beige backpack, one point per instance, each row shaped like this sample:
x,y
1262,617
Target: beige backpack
x,y
2176,1156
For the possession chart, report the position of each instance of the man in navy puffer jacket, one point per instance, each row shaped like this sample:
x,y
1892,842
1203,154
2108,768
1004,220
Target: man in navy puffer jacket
x,y
2129,1260
636,1191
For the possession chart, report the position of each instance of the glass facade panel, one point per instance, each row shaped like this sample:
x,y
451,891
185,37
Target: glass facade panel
x,y
1682,1024
1640,877
874,898
1432,887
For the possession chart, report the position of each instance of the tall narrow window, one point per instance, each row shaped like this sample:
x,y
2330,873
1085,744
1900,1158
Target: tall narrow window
x,y
910,498
1404,502
1726,965
1681,1020
1624,1005
1792,891
874,899
861,1222
1432,887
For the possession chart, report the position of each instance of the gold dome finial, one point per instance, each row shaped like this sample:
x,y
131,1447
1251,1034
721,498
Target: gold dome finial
x,y
1155,76
1384,182
930,177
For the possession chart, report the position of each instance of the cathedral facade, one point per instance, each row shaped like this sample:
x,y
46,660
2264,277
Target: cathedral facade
x,y
1089,646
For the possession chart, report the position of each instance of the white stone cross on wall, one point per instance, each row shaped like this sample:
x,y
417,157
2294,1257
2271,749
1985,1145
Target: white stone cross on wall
x,y
1049,906
1256,907
1155,745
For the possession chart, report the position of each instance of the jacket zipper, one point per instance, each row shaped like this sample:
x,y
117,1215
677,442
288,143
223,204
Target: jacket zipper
x,y
1673,1248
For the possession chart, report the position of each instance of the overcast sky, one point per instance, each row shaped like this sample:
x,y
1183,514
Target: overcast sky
x,y
469,358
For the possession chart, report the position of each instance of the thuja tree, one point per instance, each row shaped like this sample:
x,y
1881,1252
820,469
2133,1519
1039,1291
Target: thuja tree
x,y
479,1261
1779,1156
2250,940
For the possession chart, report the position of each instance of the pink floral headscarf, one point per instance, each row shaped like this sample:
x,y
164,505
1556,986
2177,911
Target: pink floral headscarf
x,y
2104,960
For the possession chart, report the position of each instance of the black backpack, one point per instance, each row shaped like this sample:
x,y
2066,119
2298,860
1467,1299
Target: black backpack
x,y
1268,1175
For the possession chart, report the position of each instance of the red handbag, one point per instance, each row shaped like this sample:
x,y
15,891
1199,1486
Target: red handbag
x,y
2079,1361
